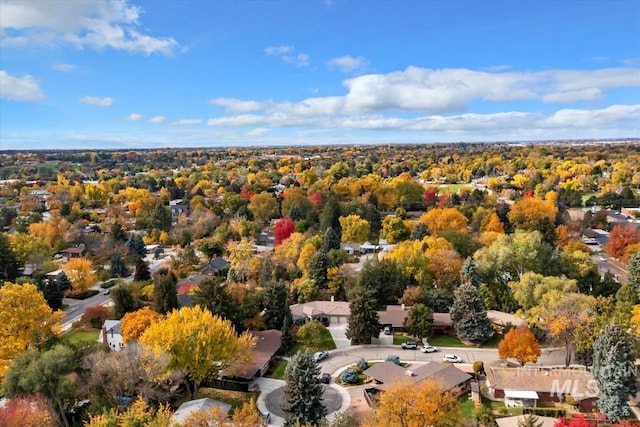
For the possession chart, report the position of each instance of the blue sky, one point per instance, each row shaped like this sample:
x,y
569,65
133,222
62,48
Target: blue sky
x,y
131,74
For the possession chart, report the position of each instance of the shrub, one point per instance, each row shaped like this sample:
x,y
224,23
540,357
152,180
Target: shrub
x,y
393,359
95,316
362,364
349,376
571,401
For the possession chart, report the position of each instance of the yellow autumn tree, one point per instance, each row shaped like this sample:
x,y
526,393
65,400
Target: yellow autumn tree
x,y
246,416
26,320
138,414
635,318
201,344
529,212
438,220
520,344
286,254
354,228
135,323
493,224
306,253
408,404
80,272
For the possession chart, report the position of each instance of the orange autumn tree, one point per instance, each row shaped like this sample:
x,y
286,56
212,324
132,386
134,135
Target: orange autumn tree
x,y
439,219
621,236
520,344
408,404
135,323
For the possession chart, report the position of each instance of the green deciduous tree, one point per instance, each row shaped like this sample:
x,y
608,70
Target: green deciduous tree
x,y
364,322
303,402
469,315
419,322
46,373
125,300
614,370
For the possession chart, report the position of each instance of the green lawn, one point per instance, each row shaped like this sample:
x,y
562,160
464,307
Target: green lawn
x,y
398,339
278,373
455,188
445,341
493,342
323,342
467,407
81,338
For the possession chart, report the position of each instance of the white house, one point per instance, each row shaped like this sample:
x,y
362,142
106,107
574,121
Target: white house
x,y
111,336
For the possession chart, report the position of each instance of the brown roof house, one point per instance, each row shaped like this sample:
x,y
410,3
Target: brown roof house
x,y
267,346
533,386
324,311
452,379
394,317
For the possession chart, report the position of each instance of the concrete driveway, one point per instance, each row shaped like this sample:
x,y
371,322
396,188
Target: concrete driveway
x,y
338,333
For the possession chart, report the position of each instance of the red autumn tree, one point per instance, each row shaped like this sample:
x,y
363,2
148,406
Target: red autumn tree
x,y
283,229
27,411
430,197
519,344
95,316
621,236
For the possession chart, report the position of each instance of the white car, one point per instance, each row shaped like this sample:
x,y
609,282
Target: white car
x,y
320,355
452,358
428,349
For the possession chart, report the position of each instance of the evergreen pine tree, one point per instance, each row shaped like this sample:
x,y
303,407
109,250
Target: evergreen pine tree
x,y
318,266
303,402
124,300
265,275
118,234
331,240
165,296
469,315
469,273
142,271
275,304
213,295
286,340
9,264
53,294
419,232
364,322
136,246
633,277
614,370
118,266
63,281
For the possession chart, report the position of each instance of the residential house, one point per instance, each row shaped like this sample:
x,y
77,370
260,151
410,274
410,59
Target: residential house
x,y
199,405
178,208
267,346
502,319
533,386
185,286
323,311
394,316
73,252
214,266
111,336
452,379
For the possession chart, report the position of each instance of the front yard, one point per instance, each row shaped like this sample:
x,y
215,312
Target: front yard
x,y
446,341
83,337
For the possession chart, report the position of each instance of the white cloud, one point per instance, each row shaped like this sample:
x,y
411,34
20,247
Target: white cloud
x,y
258,132
348,63
157,120
288,55
97,24
233,105
64,68
183,122
96,101
133,117
278,50
24,89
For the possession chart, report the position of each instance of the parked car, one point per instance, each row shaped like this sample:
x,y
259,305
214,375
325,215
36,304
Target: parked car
x,y
452,358
428,349
107,291
320,355
387,330
325,378
409,345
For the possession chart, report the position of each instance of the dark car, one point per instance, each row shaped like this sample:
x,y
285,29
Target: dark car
x,y
409,345
325,378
